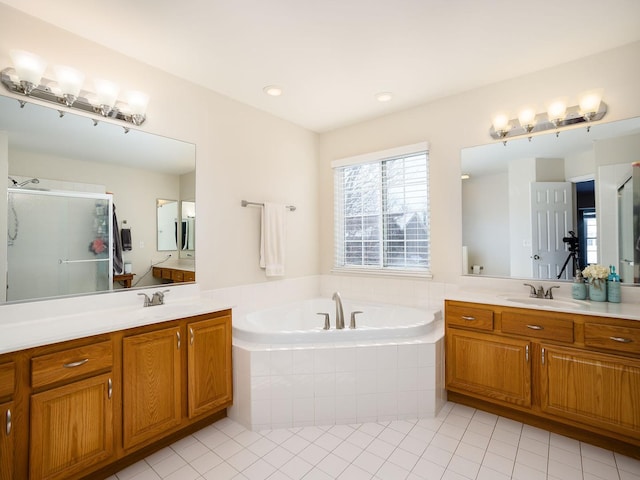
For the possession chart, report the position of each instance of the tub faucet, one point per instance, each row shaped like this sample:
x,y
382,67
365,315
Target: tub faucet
x,y
339,311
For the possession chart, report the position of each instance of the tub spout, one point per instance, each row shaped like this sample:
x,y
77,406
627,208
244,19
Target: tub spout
x,y
339,311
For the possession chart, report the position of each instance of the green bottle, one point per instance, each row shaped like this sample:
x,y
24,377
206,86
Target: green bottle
x,y
613,286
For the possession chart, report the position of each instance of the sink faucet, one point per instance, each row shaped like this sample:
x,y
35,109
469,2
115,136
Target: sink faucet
x,y
156,299
339,311
539,292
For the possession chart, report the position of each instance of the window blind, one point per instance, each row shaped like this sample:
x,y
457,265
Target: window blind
x,y
381,211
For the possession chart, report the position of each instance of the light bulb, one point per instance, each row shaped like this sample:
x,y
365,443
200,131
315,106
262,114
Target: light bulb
x,y
29,68
70,82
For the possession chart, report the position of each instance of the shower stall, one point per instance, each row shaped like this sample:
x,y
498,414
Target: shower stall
x,y
58,243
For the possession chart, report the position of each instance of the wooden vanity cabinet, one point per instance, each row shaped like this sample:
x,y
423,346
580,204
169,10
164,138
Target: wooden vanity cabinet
x,y
85,409
209,365
7,434
575,374
151,384
174,275
71,419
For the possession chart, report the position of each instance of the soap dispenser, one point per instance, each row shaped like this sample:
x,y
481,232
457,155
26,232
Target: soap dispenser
x,y
613,286
579,288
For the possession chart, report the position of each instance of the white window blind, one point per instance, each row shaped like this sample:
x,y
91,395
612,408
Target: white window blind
x,y
381,211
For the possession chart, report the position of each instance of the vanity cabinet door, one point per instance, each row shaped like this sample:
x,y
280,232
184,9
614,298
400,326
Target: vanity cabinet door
x,y
209,365
71,428
594,389
151,385
7,442
489,366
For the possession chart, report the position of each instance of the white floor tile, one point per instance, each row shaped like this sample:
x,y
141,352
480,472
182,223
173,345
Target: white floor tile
x,y
459,444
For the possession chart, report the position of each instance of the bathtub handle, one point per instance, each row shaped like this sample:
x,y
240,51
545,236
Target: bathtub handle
x,y
327,323
353,319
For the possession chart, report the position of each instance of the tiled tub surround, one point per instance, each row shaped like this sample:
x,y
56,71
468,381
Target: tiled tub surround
x,y
278,386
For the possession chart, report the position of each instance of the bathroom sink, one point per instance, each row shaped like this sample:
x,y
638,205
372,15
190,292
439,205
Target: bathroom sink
x,y
545,302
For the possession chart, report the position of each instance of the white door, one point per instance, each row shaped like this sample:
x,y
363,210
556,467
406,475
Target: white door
x,y
552,219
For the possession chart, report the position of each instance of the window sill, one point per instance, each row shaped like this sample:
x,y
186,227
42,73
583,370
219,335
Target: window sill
x,y
382,272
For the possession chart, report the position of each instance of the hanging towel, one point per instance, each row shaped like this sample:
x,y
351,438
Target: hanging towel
x,y
125,234
116,249
272,239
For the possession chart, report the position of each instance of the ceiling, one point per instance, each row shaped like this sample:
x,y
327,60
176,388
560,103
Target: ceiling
x,y
332,57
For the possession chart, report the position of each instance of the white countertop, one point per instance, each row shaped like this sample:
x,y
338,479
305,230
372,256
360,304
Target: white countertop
x,y
34,324
625,310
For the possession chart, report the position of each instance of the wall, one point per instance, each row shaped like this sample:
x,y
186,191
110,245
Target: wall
x,y
453,123
486,233
241,153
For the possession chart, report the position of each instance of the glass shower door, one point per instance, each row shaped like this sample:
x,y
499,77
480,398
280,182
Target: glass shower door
x,y
59,243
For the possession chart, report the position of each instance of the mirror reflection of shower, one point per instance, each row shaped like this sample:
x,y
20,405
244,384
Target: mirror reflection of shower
x,y
17,184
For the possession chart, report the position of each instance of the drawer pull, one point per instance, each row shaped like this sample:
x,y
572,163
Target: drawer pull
x,y
543,354
526,353
109,389
535,327
191,335
76,364
179,339
9,423
468,319
621,339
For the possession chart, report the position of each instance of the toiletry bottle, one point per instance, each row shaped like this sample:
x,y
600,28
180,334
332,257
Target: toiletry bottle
x,y
613,286
579,289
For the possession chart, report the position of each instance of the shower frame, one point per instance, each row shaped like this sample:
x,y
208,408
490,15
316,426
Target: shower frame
x,y
80,195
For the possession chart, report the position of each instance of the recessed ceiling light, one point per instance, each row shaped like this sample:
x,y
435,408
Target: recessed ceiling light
x,y
384,96
272,90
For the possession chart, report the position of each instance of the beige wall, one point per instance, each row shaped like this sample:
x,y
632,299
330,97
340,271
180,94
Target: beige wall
x,y
240,153
453,123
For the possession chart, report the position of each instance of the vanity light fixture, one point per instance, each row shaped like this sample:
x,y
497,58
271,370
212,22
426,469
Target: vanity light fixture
x,y
26,78
589,109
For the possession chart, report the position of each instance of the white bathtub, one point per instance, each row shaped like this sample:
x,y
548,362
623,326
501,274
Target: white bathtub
x,y
300,323
288,371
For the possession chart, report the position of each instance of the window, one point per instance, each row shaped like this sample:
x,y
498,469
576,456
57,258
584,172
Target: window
x,y
381,204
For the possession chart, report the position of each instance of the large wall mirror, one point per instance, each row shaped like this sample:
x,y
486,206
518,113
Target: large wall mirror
x,y
70,185
534,209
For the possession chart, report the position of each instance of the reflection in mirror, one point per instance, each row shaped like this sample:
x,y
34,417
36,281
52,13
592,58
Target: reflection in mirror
x,y
534,209
188,229
70,157
167,220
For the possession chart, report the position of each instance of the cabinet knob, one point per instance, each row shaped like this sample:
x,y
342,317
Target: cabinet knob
x,y
191,335
109,389
179,339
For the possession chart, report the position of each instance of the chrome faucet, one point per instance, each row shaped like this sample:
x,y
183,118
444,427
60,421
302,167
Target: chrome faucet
x,y
539,292
339,311
156,299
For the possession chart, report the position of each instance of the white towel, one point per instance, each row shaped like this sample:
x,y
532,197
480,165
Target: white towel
x,y
272,239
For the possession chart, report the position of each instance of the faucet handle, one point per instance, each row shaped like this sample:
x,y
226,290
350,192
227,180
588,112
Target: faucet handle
x,y
327,323
147,300
352,324
549,293
533,289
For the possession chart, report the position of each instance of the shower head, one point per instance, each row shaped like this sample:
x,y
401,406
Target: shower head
x,y
26,182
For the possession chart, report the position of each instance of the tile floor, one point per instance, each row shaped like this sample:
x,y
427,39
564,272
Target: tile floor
x,y
460,444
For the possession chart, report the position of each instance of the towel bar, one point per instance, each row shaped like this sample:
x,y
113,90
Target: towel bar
x,y
244,203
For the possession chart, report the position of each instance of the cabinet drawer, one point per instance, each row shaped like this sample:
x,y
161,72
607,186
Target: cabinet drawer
x,y
622,339
70,364
472,317
538,326
189,276
7,379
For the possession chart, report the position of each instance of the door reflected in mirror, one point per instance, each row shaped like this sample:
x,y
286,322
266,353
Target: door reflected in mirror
x,y
523,199
168,227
